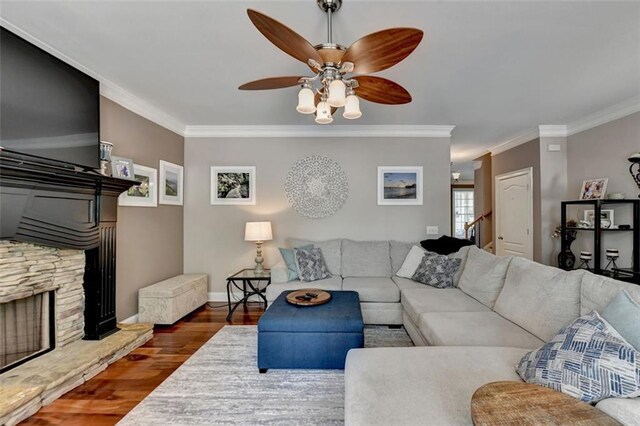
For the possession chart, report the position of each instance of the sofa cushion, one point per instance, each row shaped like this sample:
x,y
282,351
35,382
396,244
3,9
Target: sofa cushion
x,y
587,360
624,410
461,254
366,259
331,251
406,283
623,314
399,252
436,270
474,329
331,283
598,291
430,299
374,289
425,385
411,262
483,276
541,299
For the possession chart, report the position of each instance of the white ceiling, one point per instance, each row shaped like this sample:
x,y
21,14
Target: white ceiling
x,y
492,69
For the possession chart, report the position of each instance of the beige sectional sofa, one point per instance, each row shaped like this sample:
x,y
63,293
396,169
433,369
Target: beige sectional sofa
x,y
469,336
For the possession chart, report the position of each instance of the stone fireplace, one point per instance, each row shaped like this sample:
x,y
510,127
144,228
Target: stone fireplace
x,y
33,280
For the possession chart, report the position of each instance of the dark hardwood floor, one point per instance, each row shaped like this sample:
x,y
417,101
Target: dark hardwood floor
x,y
110,395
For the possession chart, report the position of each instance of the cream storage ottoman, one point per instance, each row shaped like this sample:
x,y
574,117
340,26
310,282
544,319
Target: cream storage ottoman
x,y
169,300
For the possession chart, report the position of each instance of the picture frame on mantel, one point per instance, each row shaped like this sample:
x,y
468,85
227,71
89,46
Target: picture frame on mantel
x,y
233,185
171,184
400,186
145,194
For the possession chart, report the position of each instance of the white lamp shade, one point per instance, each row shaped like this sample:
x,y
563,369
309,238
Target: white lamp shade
x,y
306,102
258,231
337,91
352,108
323,114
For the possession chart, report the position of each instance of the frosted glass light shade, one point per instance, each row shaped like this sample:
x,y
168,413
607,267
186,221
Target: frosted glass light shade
x,y
258,231
352,108
323,115
306,102
337,93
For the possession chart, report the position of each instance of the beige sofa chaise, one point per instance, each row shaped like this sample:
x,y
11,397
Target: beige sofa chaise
x,y
469,336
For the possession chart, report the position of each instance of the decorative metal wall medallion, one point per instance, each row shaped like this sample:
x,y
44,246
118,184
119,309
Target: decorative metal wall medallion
x,y
316,187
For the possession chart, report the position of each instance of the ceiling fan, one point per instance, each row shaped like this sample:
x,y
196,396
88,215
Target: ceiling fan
x,y
339,78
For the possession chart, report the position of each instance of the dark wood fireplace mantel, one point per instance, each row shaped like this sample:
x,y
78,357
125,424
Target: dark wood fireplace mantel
x,y
45,203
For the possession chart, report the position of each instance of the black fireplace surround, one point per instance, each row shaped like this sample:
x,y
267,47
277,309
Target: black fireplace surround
x,y
45,203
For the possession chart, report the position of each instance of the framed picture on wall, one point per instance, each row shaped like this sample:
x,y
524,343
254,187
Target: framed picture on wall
x,y
400,186
145,194
594,189
233,185
171,183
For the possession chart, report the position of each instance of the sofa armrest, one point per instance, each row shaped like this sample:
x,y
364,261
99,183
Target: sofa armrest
x,y
279,273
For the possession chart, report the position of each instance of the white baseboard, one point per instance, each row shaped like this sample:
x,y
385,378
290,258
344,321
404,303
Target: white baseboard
x,y
131,320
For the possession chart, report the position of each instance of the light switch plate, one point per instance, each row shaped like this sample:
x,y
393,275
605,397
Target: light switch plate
x,y
554,147
432,230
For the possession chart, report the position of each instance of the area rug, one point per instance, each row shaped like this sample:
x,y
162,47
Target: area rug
x,y
220,384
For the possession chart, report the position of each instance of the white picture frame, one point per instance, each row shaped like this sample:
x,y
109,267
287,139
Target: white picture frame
x,y
145,195
171,185
244,192
589,216
396,184
122,168
594,189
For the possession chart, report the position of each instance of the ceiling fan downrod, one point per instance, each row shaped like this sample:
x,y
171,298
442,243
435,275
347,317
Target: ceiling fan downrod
x,y
329,7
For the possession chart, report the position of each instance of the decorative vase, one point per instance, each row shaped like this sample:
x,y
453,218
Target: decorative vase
x,y
566,258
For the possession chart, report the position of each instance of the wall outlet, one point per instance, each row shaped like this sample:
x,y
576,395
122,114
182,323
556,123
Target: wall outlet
x,y
432,230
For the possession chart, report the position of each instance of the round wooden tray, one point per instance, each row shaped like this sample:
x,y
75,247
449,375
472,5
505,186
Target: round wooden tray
x,y
296,297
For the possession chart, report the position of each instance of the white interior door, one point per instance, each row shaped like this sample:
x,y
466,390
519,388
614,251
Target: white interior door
x,y
514,214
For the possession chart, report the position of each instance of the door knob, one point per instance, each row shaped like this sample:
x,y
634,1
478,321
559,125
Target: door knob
x,y
500,238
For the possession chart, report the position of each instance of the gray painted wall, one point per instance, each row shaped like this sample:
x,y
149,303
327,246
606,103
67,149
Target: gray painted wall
x,y
214,235
149,239
553,190
602,152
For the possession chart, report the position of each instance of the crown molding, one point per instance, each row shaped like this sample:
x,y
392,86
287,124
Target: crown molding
x,y
552,131
108,89
318,131
614,112
519,139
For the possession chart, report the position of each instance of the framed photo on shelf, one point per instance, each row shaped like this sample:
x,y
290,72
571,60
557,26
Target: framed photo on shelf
x,y
122,168
233,185
400,186
171,183
145,194
606,218
594,189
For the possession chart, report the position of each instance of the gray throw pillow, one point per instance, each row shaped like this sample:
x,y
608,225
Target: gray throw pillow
x,y
290,260
623,313
436,270
311,265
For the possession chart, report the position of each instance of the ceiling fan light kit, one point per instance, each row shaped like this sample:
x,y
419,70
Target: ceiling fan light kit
x,y
339,81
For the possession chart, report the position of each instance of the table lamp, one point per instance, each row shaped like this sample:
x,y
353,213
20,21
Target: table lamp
x,y
259,232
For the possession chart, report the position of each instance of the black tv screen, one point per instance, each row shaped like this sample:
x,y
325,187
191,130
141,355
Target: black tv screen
x,y
47,108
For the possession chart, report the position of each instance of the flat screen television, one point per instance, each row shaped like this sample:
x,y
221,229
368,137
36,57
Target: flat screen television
x,y
48,108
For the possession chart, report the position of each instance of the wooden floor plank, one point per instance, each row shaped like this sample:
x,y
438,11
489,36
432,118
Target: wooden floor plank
x,y
110,395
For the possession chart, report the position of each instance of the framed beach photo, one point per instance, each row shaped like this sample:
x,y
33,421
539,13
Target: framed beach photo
x,y
233,185
145,194
171,183
122,167
400,186
594,189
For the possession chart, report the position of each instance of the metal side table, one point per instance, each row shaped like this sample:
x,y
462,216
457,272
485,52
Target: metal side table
x,y
247,281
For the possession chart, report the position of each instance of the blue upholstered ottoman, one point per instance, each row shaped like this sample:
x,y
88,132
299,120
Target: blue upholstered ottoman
x,y
312,337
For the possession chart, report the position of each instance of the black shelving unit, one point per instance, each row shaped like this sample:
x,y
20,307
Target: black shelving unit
x,y
627,274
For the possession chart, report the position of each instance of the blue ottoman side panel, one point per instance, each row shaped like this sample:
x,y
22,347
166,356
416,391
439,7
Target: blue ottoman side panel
x,y
306,350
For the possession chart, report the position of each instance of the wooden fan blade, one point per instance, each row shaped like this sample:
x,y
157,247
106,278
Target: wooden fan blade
x,y
381,91
383,49
271,83
284,38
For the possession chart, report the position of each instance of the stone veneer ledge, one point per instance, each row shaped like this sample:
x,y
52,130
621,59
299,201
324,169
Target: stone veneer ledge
x,y
28,387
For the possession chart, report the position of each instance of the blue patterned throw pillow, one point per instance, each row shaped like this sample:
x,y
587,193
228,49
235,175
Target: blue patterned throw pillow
x,y
311,265
436,270
290,260
588,360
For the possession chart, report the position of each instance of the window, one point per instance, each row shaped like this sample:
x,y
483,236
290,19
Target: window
x,y
462,210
